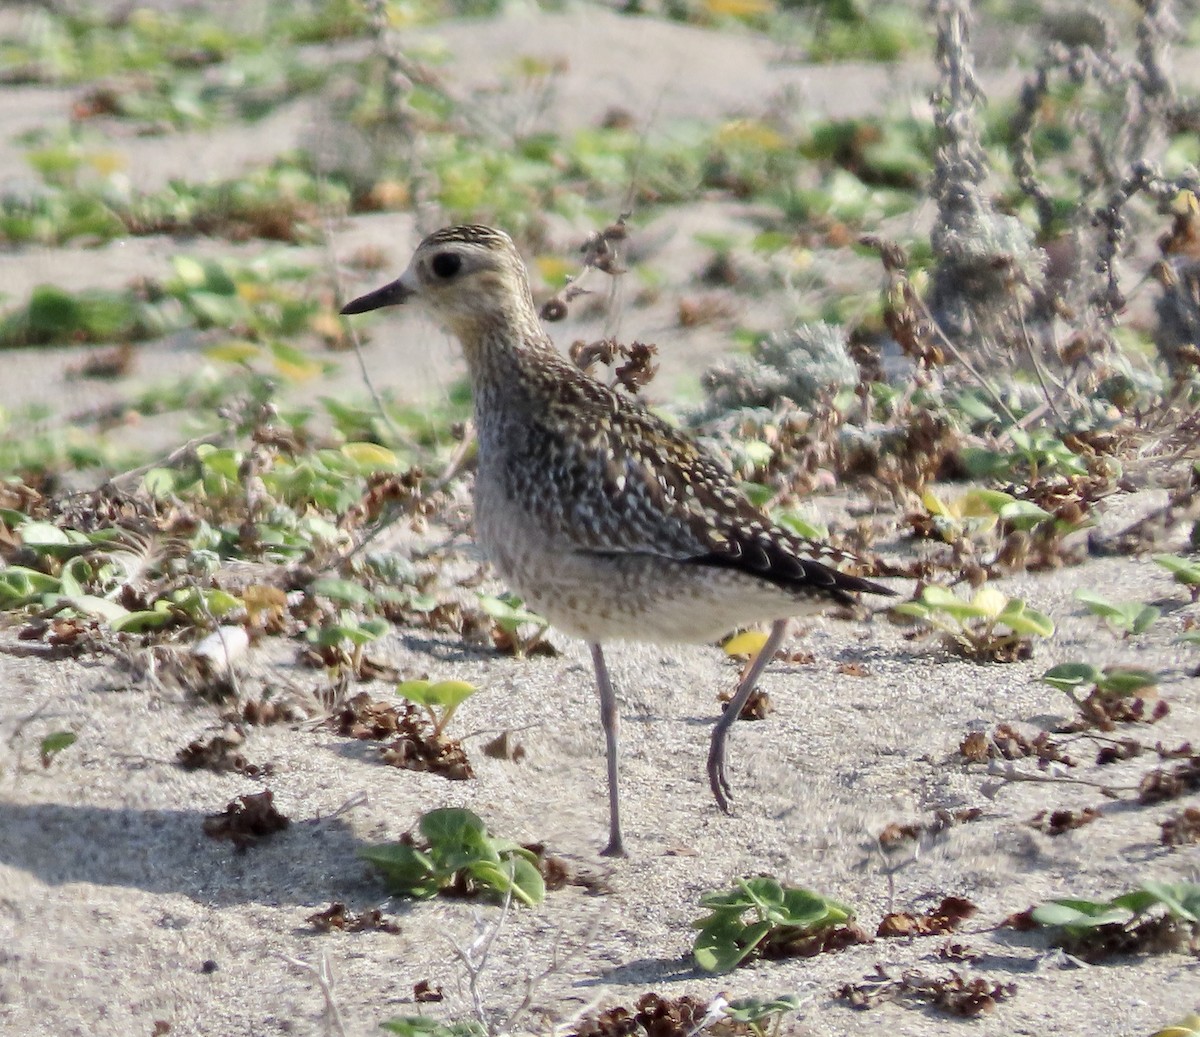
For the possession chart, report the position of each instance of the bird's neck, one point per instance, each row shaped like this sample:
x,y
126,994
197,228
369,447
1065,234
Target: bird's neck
x,y
502,355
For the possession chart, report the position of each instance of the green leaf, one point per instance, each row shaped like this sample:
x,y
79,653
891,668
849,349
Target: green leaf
x,y
727,943
765,893
442,695
41,534
1185,570
20,586
53,315
293,363
53,744
370,456
406,870
1131,616
1022,514
1078,914
365,631
91,605
1100,606
757,493
160,482
528,884
199,604
513,876
973,407
912,608
1126,680
220,461
234,351
507,612
801,526
1138,901
982,463
452,826
753,1009
947,601
806,909
1182,899
1069,676
423,1026
725,939
140,622
345,591
75,576
188,270
1021,619
1144,617
977,500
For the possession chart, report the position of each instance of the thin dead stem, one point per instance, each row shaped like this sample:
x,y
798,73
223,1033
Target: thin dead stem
x,y
474,959
958,355
324,979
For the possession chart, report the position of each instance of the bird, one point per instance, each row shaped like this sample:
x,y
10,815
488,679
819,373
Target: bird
x,y
607,520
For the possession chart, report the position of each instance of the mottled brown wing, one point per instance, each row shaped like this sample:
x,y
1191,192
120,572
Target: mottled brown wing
x,y
634,484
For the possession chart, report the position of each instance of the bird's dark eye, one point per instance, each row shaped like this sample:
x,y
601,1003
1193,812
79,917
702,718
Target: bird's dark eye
x,y
446,264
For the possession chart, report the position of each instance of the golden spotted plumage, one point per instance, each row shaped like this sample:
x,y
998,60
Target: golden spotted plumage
x,y
605,518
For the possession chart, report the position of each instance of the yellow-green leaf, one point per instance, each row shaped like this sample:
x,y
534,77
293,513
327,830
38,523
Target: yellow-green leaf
x,y
934,504
235,351
747,643
1186,1027
294,364
370,455
990,601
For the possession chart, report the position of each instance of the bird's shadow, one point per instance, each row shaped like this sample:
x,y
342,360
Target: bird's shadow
x,y
166,851
447,650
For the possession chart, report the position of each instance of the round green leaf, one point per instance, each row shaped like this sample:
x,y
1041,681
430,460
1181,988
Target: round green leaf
x,y
1068,676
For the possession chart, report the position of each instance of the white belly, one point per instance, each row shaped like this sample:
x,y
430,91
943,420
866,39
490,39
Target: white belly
x,y
636,597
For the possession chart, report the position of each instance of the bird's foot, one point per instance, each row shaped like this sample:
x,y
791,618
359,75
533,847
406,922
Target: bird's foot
x,y
717,780
615,847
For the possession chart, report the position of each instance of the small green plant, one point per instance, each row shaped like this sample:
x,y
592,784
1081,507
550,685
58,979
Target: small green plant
x,y
255,299
1110,682
53,744
1155,917
55,316
763,1018
761,916
82,574
420,1026
509,615
1113,695
20,585
989,626
982,510
1035,454
348,629
977,510
460,858
1185,570
440,699
1126,617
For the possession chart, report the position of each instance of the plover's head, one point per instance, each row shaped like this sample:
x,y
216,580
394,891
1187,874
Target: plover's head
x,y
471,278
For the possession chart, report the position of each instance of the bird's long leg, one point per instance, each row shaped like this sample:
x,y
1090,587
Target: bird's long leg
x,y
716,752
609,720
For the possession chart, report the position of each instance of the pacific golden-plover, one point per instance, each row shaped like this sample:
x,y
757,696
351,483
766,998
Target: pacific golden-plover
x,y
605,519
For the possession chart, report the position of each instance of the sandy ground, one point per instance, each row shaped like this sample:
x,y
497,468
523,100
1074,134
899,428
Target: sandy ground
x,y
117,914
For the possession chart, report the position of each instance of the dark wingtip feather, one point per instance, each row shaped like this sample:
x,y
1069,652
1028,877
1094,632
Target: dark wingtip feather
x,y
779,562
